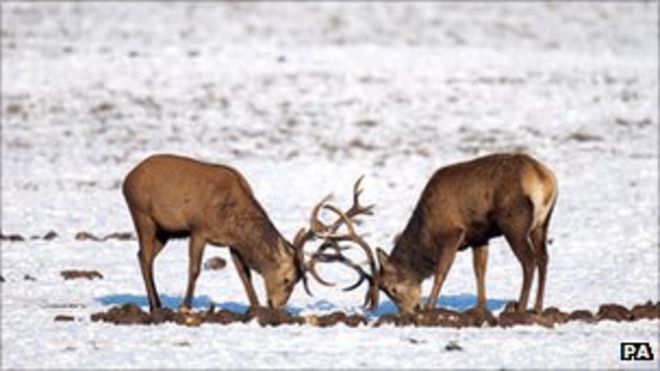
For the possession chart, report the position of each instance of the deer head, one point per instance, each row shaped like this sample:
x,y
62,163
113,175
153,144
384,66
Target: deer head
x,y
398,284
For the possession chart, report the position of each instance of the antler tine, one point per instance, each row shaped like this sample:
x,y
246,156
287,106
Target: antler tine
x,y
319,256
357,191
311,268
303,236
356,208
316,226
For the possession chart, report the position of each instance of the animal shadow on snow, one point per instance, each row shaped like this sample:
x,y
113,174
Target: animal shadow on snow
x,y
460,303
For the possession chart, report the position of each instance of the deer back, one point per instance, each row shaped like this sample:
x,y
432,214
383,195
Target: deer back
x,y
476,195
182,194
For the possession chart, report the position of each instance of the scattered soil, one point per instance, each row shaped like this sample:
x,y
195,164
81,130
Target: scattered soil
x,y
582,315
439,317
80,236
87,236
51,235
14,237
74,274
63,318
216,263
83,236
128,314
453,346
11,237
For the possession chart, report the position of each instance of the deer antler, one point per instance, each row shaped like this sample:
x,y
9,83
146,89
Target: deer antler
x,y
332,239
371,298
328,233
320,256
305,235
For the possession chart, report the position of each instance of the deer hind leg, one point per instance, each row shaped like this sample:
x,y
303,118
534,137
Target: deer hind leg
x,y
519,239
195,252
246,278
151,243
479,261
539,240
447,249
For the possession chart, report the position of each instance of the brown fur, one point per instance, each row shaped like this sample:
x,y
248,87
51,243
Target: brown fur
x,y
171,196
465,205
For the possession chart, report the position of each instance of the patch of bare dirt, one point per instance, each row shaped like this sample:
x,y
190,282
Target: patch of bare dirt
x,y
11,237
132,314
75,274
215,263
64,318
87,236
438,317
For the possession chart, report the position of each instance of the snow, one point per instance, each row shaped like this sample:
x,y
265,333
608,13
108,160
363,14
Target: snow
x,y
303,99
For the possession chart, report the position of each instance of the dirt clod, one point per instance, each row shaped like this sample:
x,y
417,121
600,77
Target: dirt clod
x,y
84,236
614,312
453,346
509,319
645,311
63,318
74,274
582,315
272,317
215,263
12,237
554,315
51,235
127,314
121,236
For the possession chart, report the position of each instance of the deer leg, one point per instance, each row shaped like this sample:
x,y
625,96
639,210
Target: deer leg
x,y
244,273
195,252
538,237
150,246
523,249
479,261
447,252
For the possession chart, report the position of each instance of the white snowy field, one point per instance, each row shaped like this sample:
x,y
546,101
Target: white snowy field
x,y
304,98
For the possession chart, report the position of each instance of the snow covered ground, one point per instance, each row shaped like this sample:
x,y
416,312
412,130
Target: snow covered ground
x,y
303,98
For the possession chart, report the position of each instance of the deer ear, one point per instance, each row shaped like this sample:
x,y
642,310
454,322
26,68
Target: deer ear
x,y
382,258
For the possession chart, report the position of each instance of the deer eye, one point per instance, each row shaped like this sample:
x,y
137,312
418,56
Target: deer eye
x,y
394,291
286,281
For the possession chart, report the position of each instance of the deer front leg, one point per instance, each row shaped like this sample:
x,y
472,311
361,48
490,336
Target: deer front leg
x,y
479,261
447,249
244,273
196,251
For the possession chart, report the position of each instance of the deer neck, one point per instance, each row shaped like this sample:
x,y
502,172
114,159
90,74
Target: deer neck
x,y
412,254
260,245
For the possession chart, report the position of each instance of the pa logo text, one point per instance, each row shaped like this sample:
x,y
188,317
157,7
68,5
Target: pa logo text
x,y
636,352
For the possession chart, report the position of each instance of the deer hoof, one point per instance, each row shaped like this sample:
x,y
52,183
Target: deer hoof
x,y
184,309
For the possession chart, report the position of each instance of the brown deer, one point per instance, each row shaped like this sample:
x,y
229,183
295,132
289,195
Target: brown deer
x,y
465,205
171,196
